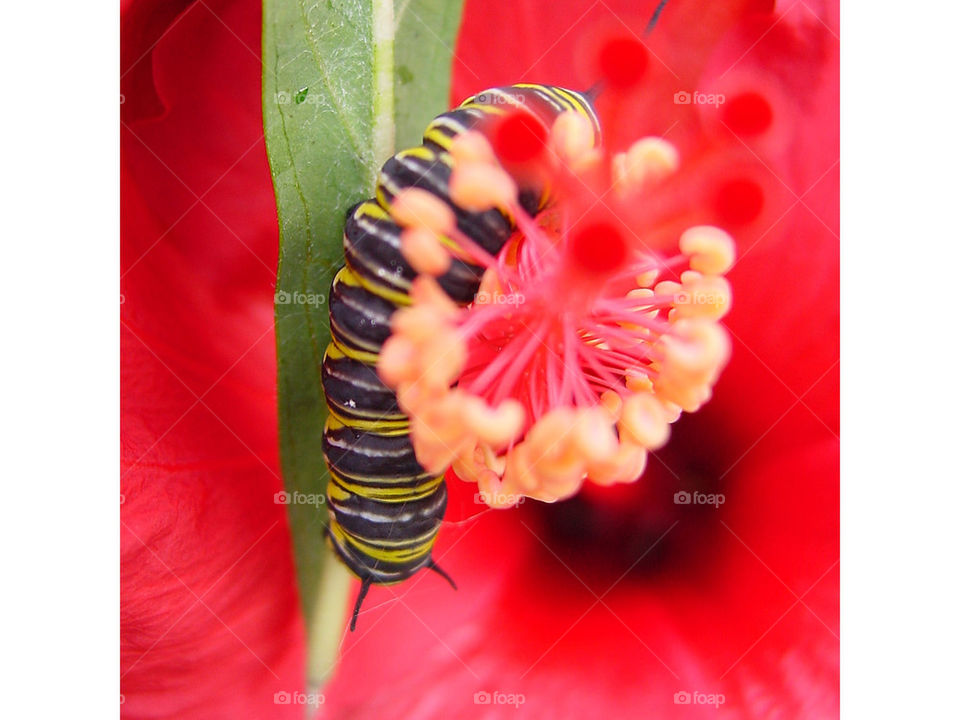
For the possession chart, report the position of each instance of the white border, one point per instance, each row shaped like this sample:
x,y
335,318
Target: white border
x,y
60,396
900,359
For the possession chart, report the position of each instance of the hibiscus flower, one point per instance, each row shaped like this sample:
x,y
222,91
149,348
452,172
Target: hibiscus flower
x,y
620,602
210,622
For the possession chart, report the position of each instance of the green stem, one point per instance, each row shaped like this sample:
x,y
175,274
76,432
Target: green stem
x,y
328,621
335,580
383,100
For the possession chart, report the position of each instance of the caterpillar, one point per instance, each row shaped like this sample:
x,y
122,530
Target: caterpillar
x,y
385,510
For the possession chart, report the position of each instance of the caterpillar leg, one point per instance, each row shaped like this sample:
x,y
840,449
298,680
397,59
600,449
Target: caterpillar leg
x,y
441,572
364,589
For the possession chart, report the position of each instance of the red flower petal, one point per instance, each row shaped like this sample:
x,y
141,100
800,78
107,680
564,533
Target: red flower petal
x,y
210,623
728,621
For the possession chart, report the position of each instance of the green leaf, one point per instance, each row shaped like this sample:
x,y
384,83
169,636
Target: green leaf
x,y
424,50
334,99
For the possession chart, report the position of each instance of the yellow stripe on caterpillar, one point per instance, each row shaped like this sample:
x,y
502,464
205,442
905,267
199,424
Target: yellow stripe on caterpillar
x,y
384,555
384,426
389,495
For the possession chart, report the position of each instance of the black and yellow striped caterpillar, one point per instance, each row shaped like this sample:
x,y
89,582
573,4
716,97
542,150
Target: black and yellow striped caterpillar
x,y
385,509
